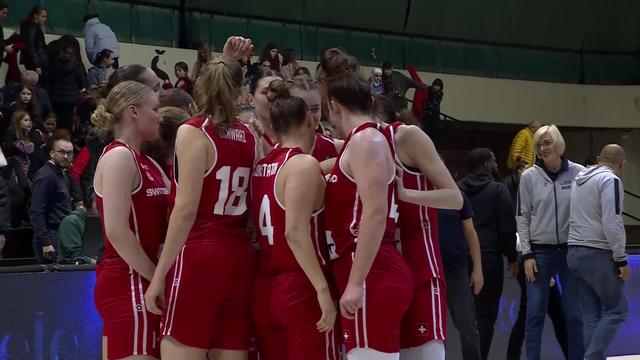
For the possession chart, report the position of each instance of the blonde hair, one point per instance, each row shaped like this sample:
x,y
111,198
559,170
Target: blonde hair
x,y
556,138
126,93
217,89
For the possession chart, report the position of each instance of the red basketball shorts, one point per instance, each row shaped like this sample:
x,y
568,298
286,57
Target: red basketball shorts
x,y
130,329
387,295
286,311
426,319
208,295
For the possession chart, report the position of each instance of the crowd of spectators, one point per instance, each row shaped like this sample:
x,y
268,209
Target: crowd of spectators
x,y
50,149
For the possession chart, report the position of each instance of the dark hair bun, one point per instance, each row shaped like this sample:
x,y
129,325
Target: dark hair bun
x,y
278,89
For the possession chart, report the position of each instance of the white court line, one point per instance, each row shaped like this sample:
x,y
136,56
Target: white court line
x,y
625,357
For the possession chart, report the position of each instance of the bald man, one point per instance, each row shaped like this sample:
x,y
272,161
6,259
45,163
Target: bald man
x,y
597,249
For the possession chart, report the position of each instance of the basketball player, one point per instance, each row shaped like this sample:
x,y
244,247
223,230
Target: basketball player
x,y
308,90
421,170
295,310
131,195
258,100
208,261
373,279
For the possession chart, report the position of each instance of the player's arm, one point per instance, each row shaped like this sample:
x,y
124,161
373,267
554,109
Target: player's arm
x,y
303,185
119,178
417,145
327,165
191,147
339,144
371,166
473,243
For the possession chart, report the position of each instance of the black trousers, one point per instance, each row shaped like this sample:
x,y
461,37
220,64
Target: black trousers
x,y
555,313
488,300
65,114
463,312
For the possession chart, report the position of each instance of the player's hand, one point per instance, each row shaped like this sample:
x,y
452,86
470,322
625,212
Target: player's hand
x,y
351,300
402,191
329,312
8,49
48,251
625,272
237,47
154,297
530,269
39,71
476,281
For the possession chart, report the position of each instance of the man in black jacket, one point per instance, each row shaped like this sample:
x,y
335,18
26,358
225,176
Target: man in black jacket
x,y
5,43
495,224
51,197
34,55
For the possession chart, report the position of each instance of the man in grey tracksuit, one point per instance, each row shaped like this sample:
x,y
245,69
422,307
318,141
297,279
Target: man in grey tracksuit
x,y
597,249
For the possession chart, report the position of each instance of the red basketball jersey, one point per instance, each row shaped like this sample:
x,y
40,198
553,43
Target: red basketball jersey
x,y
345,208
418,226
148,218
324,148
222,211
269,216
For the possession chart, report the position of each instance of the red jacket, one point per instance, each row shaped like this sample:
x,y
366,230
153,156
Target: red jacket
x,y
420,95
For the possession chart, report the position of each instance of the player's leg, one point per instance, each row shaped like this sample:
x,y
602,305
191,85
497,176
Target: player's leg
x,y
371,354
433,350
172,349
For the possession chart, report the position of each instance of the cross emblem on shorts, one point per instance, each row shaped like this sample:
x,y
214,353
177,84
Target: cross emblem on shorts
x,y
422,330
346,336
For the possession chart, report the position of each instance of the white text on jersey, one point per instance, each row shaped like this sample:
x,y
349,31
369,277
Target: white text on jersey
x,y
265,170
157,191
235,135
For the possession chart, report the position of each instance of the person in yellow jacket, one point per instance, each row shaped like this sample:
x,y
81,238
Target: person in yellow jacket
x,y
522,146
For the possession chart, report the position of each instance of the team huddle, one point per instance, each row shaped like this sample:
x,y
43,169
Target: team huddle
x,y
328,278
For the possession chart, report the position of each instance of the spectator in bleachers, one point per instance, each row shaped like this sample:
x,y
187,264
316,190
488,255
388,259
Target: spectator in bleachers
x,y
270,53
182,74
67,79
40,135
495,225
375,81
396,85
31,79
70,235
24,102
177,98
5,44
302,70
18,148
289,64
84,164
204,55
51,200
97,37
34,55
522,146
432,122
102,69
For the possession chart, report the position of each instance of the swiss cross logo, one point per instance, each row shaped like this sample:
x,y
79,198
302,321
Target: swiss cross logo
x,y
421,329
346,336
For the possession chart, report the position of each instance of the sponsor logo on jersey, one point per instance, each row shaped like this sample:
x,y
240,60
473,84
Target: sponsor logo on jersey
x,y
333,179
235,135
157,191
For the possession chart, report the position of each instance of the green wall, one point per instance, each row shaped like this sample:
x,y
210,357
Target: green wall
x,y
557,25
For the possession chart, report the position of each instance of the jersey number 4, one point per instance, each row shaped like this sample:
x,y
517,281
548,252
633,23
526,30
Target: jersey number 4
x,y
232,199
266,229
